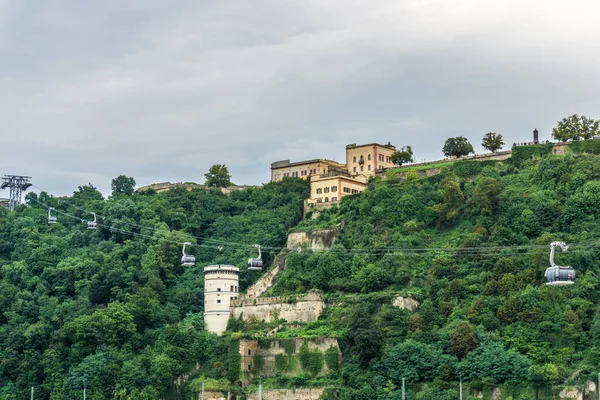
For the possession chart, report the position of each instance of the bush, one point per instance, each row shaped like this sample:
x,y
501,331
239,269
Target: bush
x,y
520,154
312,361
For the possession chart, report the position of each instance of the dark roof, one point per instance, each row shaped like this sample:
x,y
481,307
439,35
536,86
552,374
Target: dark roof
x,y
354,145
287,163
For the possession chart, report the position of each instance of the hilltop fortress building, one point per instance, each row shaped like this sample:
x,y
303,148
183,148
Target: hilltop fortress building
x,y
330,181
221,288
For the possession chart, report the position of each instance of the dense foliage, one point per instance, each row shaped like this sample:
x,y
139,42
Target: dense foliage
x,y
576,127
115,311
485,312
492,142
457,147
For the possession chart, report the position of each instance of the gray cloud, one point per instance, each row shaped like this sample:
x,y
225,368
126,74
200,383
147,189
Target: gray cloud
x,y
162,90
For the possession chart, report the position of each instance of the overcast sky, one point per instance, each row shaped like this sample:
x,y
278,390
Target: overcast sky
x,y
161,90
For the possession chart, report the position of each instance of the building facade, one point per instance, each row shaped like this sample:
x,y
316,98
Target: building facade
x,y
302,169
331,189
221,287
365,159
329,180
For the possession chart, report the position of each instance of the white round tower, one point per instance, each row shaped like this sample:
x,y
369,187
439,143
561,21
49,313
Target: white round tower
x,y
220,288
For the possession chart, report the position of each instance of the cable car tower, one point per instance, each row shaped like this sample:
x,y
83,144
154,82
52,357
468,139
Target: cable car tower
x,y
17,184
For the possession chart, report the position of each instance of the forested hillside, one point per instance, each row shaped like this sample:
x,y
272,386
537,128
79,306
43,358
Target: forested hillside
x,y
114,309
471,244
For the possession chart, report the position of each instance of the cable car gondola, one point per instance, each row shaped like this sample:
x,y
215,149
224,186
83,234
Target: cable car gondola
x,y
256,263
51,218
556,275
92,224
187,260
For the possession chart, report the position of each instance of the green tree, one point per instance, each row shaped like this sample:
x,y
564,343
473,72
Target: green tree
x,y
485,194
492,361
123,184
492,142
457,147
417,361
403,156
453,200
463,340
576,127
218,176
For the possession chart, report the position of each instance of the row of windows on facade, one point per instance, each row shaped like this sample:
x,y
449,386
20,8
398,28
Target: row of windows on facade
x,y
232,288
305,172
326,190
381,158
219,300
326,200
221,272
362,168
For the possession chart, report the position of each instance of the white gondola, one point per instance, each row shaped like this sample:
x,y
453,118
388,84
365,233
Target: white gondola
x,y
51,218
92,224
557,275
256,263
187,260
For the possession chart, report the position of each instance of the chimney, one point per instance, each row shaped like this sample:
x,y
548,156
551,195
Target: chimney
x,y
536,139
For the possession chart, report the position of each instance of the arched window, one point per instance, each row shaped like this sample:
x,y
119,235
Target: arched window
x,y
354,159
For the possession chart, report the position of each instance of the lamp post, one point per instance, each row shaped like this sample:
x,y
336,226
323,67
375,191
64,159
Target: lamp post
x,y
460,387
403,392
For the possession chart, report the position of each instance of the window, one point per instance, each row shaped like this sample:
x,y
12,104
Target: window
x,y
249,352
346,190
387,160
334,199
327,189
381,157
354,159
326,199
362,168
319,201
218,301
354,191
369,167
249,367
369,157
230,297
319,191
236,289
231,288
334,188
218,289
354,169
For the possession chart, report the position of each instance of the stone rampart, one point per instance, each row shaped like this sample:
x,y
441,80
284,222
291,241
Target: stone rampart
x,y
287,350
211,395
319,239
288,394
304,308
263,284
498,156
162,186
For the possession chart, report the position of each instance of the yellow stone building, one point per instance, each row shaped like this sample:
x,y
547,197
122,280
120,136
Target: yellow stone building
x,y
302,169
329,180
365,159
331,189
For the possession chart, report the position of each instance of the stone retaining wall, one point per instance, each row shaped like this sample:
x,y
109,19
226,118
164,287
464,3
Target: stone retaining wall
x,y
288,394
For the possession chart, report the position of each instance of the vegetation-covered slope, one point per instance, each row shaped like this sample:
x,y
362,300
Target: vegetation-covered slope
x,y
471,244
117,311
482,232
